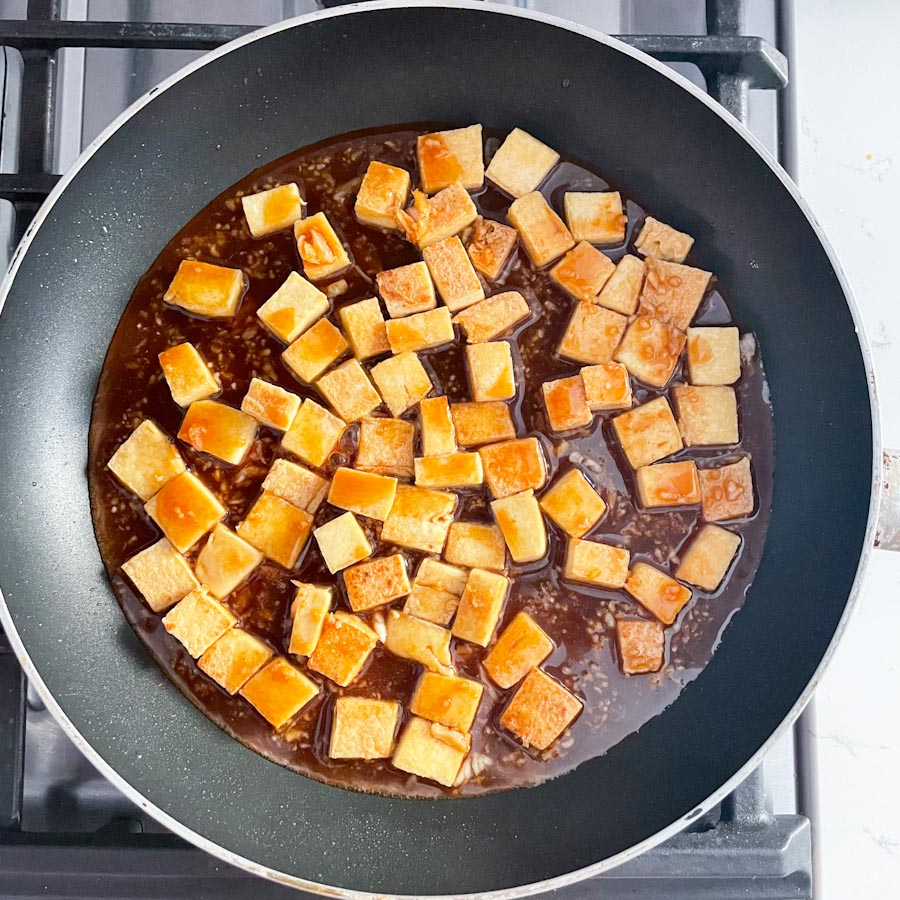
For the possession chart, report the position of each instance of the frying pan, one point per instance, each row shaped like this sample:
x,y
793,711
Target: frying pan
x,y
595,99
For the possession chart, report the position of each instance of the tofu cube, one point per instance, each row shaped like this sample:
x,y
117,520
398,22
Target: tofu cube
x,y
343,648
377,582
146,461
225,561
481,423
198,621
383,192
672,292
574,504
493,317
452,273
661,241
234,658
436,218
621,292
310,608
406,290
272,210
566,403
607,386
708,558
161,575
521,163
727,491
480,606
279,691
522,646
435,592
342,542
544,234
648,432
213,292
219,430
297,485
491,374
419,640
187,374
430,750
601,565
592,335
403,382
321,251
363,728
595,216
650,350
476,546
364,327
277,529
713,355
657,592
490,246
295,306
514,466
419,519
706,415
522,524
349,391
583,271
447,157
314,351
270,405
668,484
448,700
185,509
540,711
420,331
642,645
363,493
386,447
456,470
438,434
313,434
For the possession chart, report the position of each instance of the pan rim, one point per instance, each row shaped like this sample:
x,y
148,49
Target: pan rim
x,y
560,881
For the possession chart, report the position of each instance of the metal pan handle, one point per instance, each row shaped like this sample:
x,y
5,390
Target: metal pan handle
x,y
887,531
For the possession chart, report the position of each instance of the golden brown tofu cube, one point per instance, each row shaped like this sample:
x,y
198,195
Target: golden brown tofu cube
x,y
573,504
403,382
365,329
314,351
386,447
708,558
297,485
363,493
661,241
521,163
544,234
522,646
607,386
213,292
419,640
491,374
343,648
540,711
363,728
310,608
272,210
198,621
383,192
349,391
187,374
447,699
435,592
420,331
657,592
642,645
453,274
185,509
648,432
270,405
161,575
480,607
277,528
668,484
583,271
650,350
447,157
456,470
279,691
419,519
481,423
219,430
592,335
438,435
602,565
491,245
321,251
293,308
595,216
672,292
713,355
436,218
225,561
514,466
566,403
727,491
146,461
522,524
430,750
621,292
493,317
377,582
476,546
706,415
313,434
406,290
234,658
342,542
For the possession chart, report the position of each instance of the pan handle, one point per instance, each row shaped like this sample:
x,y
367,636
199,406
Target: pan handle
x,y
887,531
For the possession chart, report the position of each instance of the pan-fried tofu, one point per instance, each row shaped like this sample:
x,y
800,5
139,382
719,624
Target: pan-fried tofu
x,y
343,648
595,216
491,245
727,491
566,403
583,271
490,368
713,355
435,593
310,608
363,493
522,524
455,470
648,432
573,503
607,386
406,290
657,592
430,750
213,292
185,509
219,430
234,658
522,646
321,251
272,210
447,699
592,335
668,484
363,728
419,519
436,218
364,327
146,461
419,640
276,528
521,163
279,691
403,382
452,273
313,434
383,192
270,405
438,435
708,558
314,351
377,582
514,466
297,485
540,711
662,241
621,292
420,331
480,606
672,292
707,415
544,234
342,542
591,562
349,391
295,306
481,423
226,561
161,575
641,645
492,317
650,350
386,447
476,546
447,157
187,374
198,621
